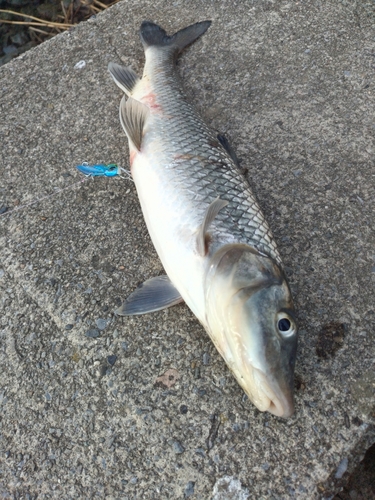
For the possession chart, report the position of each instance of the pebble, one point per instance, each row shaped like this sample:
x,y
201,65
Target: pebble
x,y
101,323
80,65
93,333
178,448
183,409
69,327
111,359
206,358
10,50
189,489
341,469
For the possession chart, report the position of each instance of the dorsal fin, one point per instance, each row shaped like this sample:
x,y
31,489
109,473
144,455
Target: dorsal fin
x,y
228,148
211,212
125,78
133,115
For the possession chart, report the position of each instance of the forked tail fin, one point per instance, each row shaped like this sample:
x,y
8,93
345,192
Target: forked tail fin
x,y
153,35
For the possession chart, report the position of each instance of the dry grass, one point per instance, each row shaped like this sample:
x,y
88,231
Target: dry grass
x,y
68,14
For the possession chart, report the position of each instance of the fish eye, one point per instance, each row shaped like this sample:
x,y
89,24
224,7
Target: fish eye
x,y
285,325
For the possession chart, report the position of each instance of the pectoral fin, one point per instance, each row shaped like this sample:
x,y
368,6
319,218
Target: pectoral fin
x,y
211,212
153,295
133,116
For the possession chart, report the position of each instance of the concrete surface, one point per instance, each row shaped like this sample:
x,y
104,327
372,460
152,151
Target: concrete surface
x,y
83,410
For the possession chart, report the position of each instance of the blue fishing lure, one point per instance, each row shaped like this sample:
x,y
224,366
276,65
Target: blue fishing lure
x,y
110,170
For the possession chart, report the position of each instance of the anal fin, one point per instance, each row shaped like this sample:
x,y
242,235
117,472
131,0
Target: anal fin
x,y
133,116
153,295
211,212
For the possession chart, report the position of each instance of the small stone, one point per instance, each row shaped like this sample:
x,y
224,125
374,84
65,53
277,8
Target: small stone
x,y
183,409
101,323
103,370
3,209
80,65
178,448
134,480
342,468
69,326
138,352
93,333
10,50
19,38
189,489
206,358
111,359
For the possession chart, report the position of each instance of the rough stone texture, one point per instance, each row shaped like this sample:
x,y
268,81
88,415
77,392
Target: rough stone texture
x,y
292,85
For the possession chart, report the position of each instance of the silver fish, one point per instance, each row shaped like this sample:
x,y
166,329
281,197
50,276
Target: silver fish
x,y
208,230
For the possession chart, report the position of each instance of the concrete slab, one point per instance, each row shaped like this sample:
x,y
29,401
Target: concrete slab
x,y
83,414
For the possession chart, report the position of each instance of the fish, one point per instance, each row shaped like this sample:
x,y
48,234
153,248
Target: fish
x,y
212,238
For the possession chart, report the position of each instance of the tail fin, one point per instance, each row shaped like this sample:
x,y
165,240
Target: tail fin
x,y
154,35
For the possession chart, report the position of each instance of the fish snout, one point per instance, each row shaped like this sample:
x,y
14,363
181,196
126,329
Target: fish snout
x,y
276,400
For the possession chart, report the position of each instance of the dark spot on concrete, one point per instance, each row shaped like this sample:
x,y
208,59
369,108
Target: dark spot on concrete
x,y
346,420
357,421
299,383
95,261
330,339
213,431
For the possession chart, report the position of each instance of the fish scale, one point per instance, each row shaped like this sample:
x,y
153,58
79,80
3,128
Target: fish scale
x,y
209,172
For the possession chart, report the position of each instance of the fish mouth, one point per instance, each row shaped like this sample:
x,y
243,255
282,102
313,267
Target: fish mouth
x,y
273,400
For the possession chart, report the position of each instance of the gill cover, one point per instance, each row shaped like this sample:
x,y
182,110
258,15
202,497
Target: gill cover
x,y
251,320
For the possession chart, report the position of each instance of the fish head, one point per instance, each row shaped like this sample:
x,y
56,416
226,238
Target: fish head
x,y
250,318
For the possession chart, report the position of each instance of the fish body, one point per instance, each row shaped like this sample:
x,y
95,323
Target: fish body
x,y
208,230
